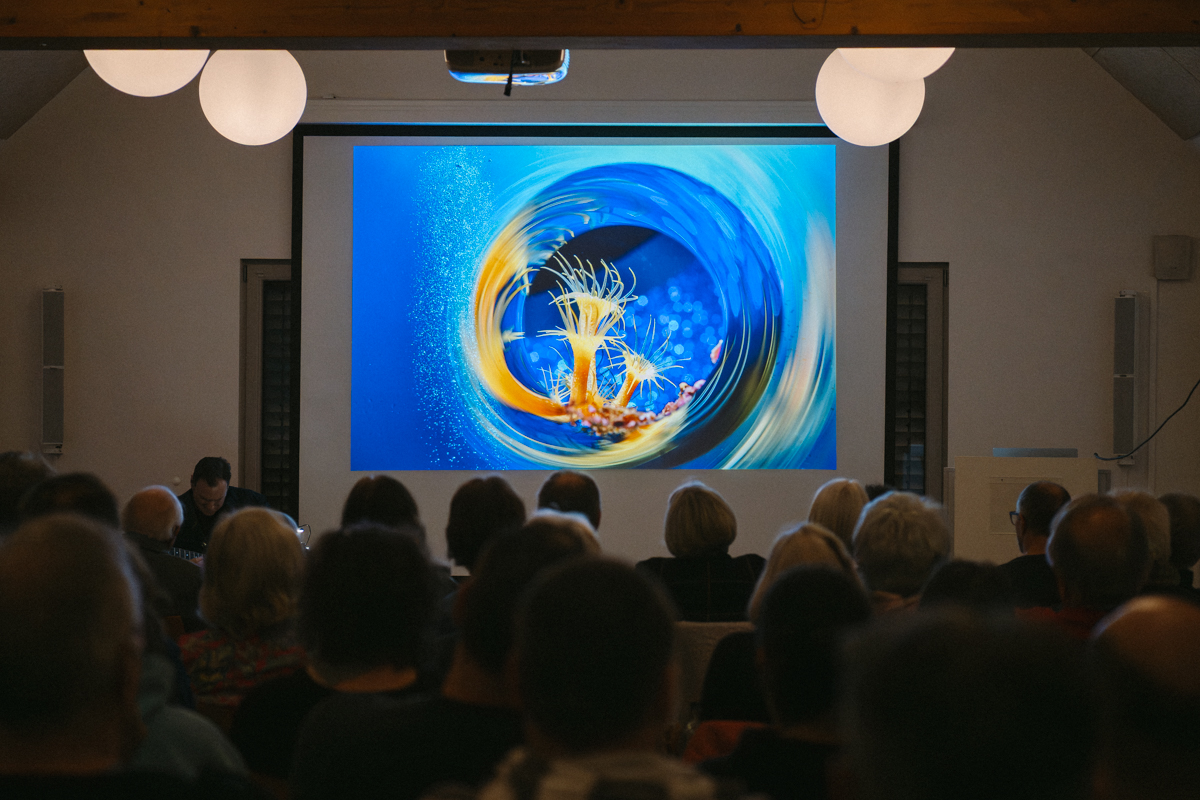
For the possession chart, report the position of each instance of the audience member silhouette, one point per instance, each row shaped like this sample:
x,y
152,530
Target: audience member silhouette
x,y
837,506
1030,574
70,655
804,615
1100,558
948,705
706,583
74,492
479,510
1156,522
969,584
1184,511
151,520
251,580
593,668
365,609
384,500
209,500
572,492
1148,654
19,472
401,750
899,540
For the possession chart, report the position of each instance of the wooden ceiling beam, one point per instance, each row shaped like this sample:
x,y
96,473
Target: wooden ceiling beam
x,y
438,24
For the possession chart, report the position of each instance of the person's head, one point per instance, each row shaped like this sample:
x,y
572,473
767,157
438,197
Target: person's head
x,y
1147,654
19,472
75,493
969,584
1156,521
1098,552
810,544
154,512
210,483
570,524
946,705
480,509
1036,506
70,647
804,615
383,500
900,538
836,505
699,522
486,605
594,645
251,572
1184,511
366,601
571,491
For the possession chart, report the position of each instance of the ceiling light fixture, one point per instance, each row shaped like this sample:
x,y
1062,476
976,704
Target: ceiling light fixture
x,y
863,110
147,73
897,64
253,97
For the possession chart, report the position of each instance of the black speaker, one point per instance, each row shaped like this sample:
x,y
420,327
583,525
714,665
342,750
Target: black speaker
x,y
1131,386
53,358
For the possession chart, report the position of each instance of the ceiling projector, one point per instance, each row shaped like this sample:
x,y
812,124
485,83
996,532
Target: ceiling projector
x,y
511,67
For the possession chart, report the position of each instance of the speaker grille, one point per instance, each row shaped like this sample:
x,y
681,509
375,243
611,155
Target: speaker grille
x,y
1124,336
1123,404
52,405
52,329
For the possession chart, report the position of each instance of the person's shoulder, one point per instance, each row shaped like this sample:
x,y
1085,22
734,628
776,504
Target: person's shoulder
x,y
129,785
238,497
653,566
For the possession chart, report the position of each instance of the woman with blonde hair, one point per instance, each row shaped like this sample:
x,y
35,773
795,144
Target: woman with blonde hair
x,y
810,544
837,505
706,583
252,575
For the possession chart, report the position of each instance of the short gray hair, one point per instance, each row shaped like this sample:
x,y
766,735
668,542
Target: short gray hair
x,y
900,538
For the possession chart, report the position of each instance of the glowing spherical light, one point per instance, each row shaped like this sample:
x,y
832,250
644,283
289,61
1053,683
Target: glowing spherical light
x,y
146,73
253,96
897,64
862,110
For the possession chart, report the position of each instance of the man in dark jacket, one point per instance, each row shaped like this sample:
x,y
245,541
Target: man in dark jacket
x,y
210,498
151,521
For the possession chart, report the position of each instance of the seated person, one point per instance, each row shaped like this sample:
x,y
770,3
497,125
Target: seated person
x,y
945,705
706,583
480,509
69,713
593,668
19,472
76,493
1030,574
389,748
571,492
1156,522
804,615
1100,557
899,540
248,598
151,520
210,498
732,690
365,609
969,584
837,505
1184,513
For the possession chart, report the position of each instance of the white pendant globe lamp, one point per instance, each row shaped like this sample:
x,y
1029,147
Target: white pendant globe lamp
x,y
253,97
897,64
863,110
147,73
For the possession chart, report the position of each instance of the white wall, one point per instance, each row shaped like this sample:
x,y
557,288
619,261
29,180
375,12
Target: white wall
x,y
1032,172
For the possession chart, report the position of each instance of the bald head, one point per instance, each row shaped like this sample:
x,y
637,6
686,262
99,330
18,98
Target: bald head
x,y
154,512
69,639
1159,636
1148,658
1099,553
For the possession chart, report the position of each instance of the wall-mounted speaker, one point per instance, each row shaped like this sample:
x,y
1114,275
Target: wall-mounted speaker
x,y
1131,362
53,352
1174,257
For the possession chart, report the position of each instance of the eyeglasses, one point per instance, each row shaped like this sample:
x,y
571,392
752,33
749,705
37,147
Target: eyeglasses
x,y
1013,516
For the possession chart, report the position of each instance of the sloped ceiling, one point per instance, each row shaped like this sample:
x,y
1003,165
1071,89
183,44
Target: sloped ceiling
x,y
31,78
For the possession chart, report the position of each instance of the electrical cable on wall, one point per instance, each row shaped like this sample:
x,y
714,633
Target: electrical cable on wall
x,y
1156,430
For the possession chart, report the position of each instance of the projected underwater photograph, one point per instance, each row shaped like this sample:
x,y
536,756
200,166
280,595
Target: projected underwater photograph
x,y
591,305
